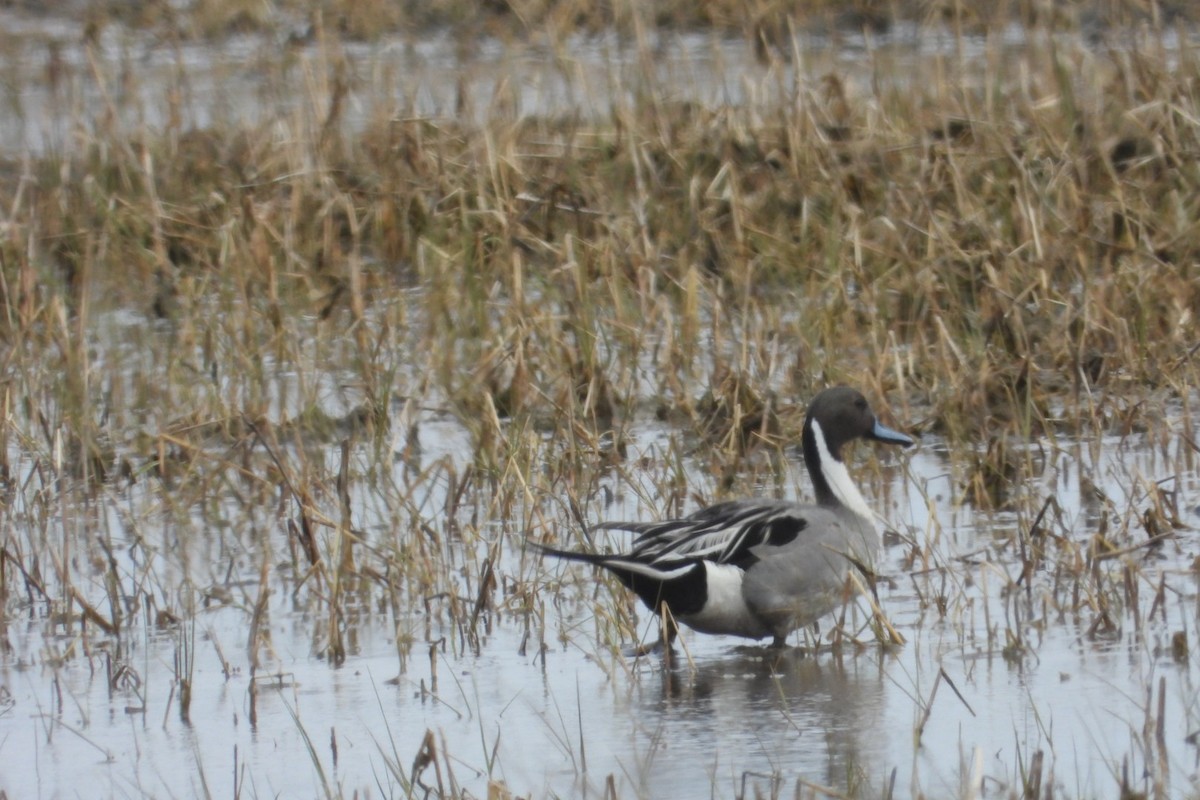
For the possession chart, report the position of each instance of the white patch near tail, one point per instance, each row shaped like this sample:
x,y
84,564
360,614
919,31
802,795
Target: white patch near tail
x,y
725,610
649,571
838,478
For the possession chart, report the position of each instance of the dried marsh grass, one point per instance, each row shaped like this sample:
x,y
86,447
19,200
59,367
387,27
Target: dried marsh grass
x,y
270,317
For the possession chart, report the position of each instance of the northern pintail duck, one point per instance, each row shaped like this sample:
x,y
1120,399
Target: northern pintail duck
x,y
758,568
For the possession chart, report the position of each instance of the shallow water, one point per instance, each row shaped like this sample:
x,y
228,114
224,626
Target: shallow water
x,y
62,91
1001,662
81,712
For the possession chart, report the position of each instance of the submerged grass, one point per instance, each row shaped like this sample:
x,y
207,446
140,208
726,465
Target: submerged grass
x,y
213,335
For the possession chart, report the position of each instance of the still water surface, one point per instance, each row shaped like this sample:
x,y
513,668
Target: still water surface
x,y
999,671
733,715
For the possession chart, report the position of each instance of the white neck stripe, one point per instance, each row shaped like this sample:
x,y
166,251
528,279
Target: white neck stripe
x,y
838,478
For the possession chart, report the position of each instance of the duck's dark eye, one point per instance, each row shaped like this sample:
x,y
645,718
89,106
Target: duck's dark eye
x,y
861,404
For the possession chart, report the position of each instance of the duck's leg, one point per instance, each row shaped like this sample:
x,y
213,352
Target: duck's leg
x,y
779,642
643,649
659,645
667,633
669,629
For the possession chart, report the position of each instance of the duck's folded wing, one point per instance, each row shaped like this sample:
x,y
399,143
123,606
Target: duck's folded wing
x,y
725,533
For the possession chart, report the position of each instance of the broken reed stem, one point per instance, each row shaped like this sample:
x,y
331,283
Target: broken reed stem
x,y
894,637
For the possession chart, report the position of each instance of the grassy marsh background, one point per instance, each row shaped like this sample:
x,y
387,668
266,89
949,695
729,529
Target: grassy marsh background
x,y
338,357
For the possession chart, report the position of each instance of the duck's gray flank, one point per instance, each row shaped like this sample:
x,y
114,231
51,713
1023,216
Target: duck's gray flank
x,y
760,567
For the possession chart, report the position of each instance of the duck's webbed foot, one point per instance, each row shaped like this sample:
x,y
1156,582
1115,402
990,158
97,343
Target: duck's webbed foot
x,y
663,645
643,649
